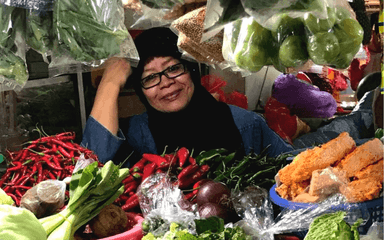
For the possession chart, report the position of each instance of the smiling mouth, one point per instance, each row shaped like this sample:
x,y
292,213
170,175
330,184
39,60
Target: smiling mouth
x,y
172,96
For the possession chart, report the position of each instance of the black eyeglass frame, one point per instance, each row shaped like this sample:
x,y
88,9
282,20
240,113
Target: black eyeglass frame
x,y
165,74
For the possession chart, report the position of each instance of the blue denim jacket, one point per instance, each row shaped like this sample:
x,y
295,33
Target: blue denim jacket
x,y
253,128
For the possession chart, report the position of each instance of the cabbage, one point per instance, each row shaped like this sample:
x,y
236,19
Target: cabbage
x,y
5,199
20,224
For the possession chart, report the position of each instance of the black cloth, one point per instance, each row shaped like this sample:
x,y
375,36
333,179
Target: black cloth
x,y
204,124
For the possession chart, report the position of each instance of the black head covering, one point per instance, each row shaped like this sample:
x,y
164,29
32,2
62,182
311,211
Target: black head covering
x,y
204,124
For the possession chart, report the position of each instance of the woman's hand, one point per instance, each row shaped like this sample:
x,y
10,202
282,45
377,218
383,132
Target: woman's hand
x,y
117,70
105,107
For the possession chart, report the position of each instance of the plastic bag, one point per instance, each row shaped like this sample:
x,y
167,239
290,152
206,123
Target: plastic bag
x,y
189,29
375,232
161,199
89,32
45,198
39,31
302,99
219,13
13,67
263,225
214,86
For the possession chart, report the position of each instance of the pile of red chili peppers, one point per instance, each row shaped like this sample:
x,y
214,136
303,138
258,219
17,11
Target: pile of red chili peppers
x,y
180,164
49,157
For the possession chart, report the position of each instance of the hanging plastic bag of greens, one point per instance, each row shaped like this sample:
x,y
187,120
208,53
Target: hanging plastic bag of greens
x,y
13,68
39,31
89,32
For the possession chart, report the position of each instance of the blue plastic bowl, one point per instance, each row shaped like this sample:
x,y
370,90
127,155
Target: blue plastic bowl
x,y
371,211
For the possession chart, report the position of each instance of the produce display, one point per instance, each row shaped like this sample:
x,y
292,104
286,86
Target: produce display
x,y
338,166
49,157
294,41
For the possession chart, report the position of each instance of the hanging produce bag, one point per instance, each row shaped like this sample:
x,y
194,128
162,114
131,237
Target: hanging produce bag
x,y
39,31
292,35
189,29
13,68
88,32
220,13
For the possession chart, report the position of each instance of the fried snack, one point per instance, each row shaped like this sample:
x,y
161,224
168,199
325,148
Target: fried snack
x,y
361,190
307,198
291,191
363,156
373,171
317,158
325,182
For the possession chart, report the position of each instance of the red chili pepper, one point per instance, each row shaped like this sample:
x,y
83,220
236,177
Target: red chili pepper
x,y
50,164
131,203
191,160
182,155
18,193
154,158
18,156
21,179
39,173
149,169
132,177
63,144
164,166
14,179
17,201
23,187
139,165
190,169
130,187
189,196
6,175
159,170
18,165
63,151
201,172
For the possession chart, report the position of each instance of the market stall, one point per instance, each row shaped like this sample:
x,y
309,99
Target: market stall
x,y
300,56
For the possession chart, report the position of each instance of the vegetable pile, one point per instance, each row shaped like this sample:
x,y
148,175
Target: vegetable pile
x,y
49,157
181,164
240,172
209,228
91,189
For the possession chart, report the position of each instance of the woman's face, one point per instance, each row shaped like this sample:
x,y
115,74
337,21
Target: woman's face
x,y
170,95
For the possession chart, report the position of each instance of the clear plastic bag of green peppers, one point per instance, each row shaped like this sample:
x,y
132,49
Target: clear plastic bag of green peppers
x,y
295,42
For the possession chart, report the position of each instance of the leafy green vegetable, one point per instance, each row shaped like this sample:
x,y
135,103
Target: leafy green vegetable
x,y
331,226
91,189
39,30
5,199
20,224
213,224
89,29
12,66
379,133
211,228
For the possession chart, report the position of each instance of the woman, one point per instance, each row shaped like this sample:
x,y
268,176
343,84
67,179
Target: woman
x,y
180,112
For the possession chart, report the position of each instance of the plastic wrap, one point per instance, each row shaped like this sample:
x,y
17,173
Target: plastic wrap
x,y
292,35
39,31
88,32
13,67
45,198
189,29
220,13
255,208
161,199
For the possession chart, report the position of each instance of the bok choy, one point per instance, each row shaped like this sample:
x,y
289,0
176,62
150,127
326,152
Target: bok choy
x,y
91,189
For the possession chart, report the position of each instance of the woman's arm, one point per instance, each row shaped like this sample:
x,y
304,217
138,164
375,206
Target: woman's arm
x,y
105,107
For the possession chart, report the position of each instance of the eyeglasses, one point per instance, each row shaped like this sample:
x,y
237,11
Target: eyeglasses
x,y
171,72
